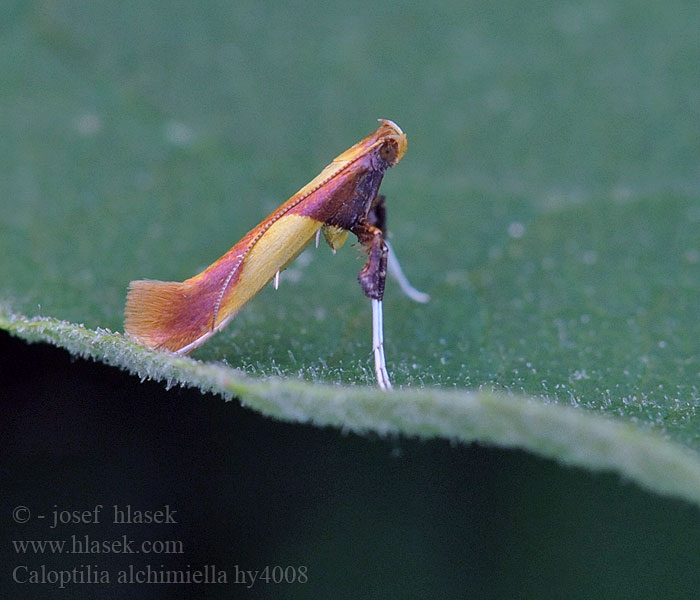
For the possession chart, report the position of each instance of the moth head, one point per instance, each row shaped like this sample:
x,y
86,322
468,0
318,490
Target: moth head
x,y
392,142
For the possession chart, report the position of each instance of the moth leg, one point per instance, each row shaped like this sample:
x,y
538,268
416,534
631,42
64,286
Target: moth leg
x,y
377,217
378,346
277,280
394,269
372,278
377,213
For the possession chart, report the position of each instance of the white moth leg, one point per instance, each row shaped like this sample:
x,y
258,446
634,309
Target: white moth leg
x,y
277,280
378,346
396,272
318,237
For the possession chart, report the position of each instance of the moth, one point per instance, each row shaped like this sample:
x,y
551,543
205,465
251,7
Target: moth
x,y
342,199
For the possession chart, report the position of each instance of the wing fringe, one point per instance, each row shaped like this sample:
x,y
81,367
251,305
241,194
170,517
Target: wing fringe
x,y
155,314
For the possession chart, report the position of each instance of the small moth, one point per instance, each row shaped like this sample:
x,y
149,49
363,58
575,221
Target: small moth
x,y
342,199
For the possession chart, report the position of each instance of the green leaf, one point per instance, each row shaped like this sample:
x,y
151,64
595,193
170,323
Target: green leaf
x,y
548,202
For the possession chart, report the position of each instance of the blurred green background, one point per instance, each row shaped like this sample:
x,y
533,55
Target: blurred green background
x,y
548,200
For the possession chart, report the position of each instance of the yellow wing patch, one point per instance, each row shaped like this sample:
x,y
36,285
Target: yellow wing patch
x,y
279,246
